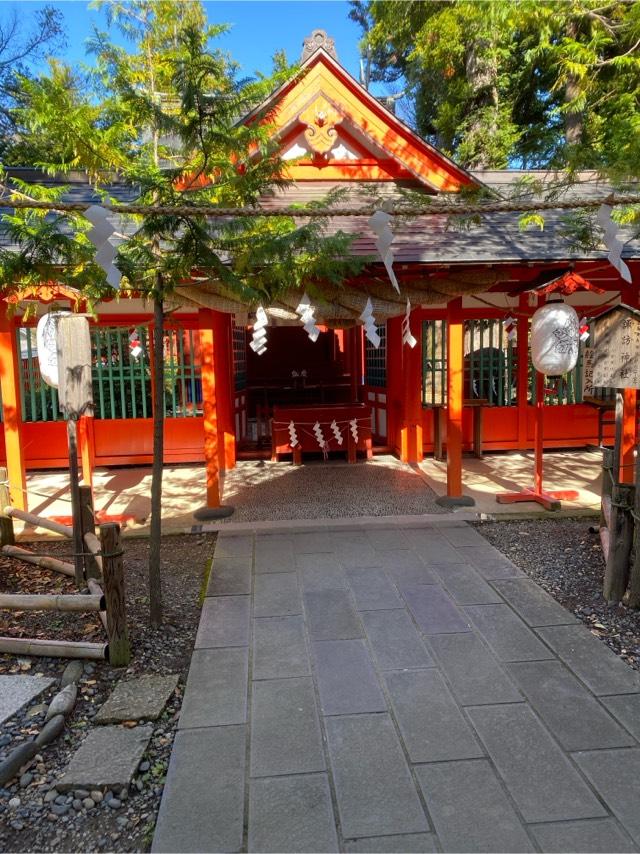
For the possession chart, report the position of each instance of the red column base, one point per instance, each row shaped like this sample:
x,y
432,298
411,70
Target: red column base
x,y
549,500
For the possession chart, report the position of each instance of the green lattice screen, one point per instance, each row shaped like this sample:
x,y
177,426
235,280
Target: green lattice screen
x,y
375,364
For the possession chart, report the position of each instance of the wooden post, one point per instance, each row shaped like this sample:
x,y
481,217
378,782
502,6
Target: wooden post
x,y
222,335
394,384
629,426
412,359
11,409
633,597
538,442
7,537
88,526
76,512
85,436
210,410
606,487
455,393
522,388
113,569
616,574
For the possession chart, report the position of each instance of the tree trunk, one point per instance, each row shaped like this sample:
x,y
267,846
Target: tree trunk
x,y
481,71
155,577
573,121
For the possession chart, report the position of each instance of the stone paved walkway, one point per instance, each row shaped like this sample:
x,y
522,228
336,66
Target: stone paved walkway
x,y
397,690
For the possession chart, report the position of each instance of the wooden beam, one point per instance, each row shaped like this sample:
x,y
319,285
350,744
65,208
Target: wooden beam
x,y
11,409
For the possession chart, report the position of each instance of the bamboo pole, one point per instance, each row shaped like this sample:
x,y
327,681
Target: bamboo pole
x,y
119,650
96,590
39,521
93,544
51,602
6,523
56,649
43,561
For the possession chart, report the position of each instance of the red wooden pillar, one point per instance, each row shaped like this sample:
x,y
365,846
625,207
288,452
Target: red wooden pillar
x,y
87,449
11,411
455,400
522,350
412,368
396,431
629,435
222,335
210,408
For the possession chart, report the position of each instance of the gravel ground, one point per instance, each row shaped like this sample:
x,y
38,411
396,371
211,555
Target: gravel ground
x,y
380,487
565,559
39,825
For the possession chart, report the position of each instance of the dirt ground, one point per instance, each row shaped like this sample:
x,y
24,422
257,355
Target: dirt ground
x,y
32,825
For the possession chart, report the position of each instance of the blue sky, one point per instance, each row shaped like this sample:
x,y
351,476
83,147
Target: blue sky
x,y
260,27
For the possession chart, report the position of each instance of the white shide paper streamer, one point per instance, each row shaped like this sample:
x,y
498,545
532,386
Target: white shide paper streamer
x,y
306,312
259,334
337,432
99,235
369,322
353,424
407,337
317,429
612,241
293,436
379,224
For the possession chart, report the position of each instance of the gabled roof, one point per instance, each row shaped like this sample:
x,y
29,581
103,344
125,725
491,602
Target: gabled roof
x,y
322,76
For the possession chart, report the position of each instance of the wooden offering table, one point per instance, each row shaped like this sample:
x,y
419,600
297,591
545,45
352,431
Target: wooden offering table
x,y
476,405
305,418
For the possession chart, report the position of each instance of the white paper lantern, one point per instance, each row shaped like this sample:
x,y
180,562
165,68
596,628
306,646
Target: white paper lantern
x,y
555,331
46,332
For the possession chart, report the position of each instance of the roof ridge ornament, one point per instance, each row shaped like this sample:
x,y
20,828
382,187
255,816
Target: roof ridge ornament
x,y
318,39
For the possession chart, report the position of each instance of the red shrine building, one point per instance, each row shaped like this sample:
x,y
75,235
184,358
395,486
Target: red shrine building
x,y
467,385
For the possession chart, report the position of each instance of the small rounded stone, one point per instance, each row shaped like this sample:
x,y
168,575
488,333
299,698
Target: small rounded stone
x,y
76,804
96,795
114,803
26,780
88,803
14,803
51,795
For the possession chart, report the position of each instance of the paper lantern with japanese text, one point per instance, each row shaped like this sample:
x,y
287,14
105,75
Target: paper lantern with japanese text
x,y
46,332
555,338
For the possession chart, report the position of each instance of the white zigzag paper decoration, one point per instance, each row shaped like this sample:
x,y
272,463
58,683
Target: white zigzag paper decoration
x,y
99,235
612,242
369,322
293,436
407,337
259,334
307,317
337,432
353,424
317,429
379,223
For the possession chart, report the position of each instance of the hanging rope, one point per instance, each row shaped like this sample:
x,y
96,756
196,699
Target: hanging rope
x,y
437,208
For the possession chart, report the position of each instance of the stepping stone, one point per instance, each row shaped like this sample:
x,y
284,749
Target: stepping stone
x,y
107,758
137,699
16,691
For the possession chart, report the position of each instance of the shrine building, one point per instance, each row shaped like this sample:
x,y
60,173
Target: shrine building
x,y
468,385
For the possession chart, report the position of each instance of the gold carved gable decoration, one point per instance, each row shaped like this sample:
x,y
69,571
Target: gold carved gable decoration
x,y
321,117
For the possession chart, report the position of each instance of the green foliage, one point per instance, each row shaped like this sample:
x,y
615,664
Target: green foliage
x,y
538,84
164,120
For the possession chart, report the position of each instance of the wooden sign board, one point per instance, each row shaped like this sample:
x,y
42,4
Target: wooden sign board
x,y
75,389
616,348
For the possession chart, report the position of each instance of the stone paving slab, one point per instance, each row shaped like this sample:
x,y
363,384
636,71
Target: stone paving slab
x,y
347,681
626,708
509,638
372,590
230,576
107,758
475,676
394,640
471,795
229,544
533,604
143,698
17,690
406,844
202,807
465,584
591,660
216,692
276,595
616,777
224,621
331,616
279,648
375,791
572,713
434,611
291,814
598,836
422,732
538,775
285,730
432,725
